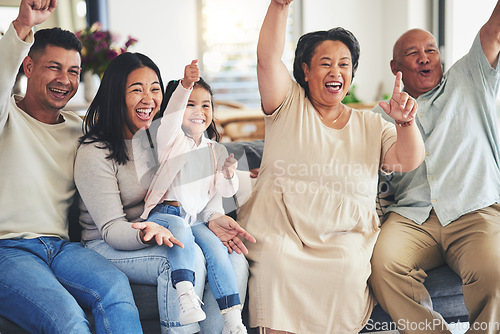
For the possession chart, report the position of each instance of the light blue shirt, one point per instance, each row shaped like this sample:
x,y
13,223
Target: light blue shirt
x,y
458,122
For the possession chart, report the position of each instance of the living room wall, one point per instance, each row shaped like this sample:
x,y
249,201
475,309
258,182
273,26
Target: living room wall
x,y
167,32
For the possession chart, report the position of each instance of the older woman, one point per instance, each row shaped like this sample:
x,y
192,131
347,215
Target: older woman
x,y
113,173
313,210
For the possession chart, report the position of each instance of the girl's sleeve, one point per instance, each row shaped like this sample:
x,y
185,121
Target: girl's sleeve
x,y
224,187
213,206
171,122
97,184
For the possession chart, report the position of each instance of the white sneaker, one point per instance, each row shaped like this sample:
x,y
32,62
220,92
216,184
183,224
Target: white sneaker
x,y
240,329
190,309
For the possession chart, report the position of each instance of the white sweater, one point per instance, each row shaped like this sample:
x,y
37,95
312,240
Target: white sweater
x,y
36,159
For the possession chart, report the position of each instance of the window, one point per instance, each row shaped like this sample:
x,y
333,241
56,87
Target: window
x,y
460,35
229,32
7,15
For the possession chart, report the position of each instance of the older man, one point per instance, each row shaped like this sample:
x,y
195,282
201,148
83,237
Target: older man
x,y
447,210
43,276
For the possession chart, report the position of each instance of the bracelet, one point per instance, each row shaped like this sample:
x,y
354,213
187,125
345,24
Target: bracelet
x,y
405,124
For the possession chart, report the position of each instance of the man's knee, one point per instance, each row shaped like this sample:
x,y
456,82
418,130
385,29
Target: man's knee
x,y
113,279
386,258
485,273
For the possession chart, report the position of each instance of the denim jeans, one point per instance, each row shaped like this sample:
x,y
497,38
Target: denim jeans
x,y
151,265
181,260
43,281
220,272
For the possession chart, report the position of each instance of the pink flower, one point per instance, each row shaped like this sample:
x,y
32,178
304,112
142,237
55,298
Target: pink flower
x,y
98,48
131,41
112,54
99,35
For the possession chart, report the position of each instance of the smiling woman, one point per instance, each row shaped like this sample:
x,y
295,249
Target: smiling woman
x,y
113,172
131,92
143,97
317,184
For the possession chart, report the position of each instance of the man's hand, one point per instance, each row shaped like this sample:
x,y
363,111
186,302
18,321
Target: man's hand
x,y
31,13
191,75
152,233
228,230
402,107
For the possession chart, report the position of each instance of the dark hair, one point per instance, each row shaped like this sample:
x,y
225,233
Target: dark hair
x,y
307,44
172,86
107,114
56,37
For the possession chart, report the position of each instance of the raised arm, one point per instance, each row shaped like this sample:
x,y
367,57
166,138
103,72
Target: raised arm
x,y
171,121
31,13
14,47
408,151
272,74
490,36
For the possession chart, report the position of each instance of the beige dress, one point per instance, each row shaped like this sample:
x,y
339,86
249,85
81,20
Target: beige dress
x,y
314,217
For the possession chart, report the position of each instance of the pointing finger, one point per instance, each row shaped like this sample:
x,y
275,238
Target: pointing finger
x,y
397,86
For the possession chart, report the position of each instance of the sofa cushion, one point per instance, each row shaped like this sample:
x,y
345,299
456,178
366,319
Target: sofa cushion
x,y
248,153
444,282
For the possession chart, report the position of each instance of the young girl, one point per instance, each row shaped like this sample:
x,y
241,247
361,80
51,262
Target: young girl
x,y
194,173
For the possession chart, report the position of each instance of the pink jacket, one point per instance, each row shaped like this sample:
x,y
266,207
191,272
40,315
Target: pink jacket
x,y
173,148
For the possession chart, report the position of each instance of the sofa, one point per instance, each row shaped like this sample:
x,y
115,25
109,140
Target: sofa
x,y
444,285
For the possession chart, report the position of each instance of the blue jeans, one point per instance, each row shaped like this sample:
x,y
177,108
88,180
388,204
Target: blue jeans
x,y
151,265
221,276
43,281
182,260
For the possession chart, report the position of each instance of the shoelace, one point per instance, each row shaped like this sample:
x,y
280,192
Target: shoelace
x,y
238,331
192,299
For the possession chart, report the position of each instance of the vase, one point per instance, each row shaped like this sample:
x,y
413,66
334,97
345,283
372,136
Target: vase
x,y
91,83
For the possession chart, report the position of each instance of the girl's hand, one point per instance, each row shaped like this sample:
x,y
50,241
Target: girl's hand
x,y
191,75
402,107
254,173
230,166
228,230
153,233
283,2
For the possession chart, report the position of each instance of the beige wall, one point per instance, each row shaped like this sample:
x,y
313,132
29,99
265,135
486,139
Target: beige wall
x,y
167,30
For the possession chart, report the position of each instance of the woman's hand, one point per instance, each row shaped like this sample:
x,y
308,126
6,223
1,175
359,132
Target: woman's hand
x,y
402,107
228,230
153,233
230,166
191,75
